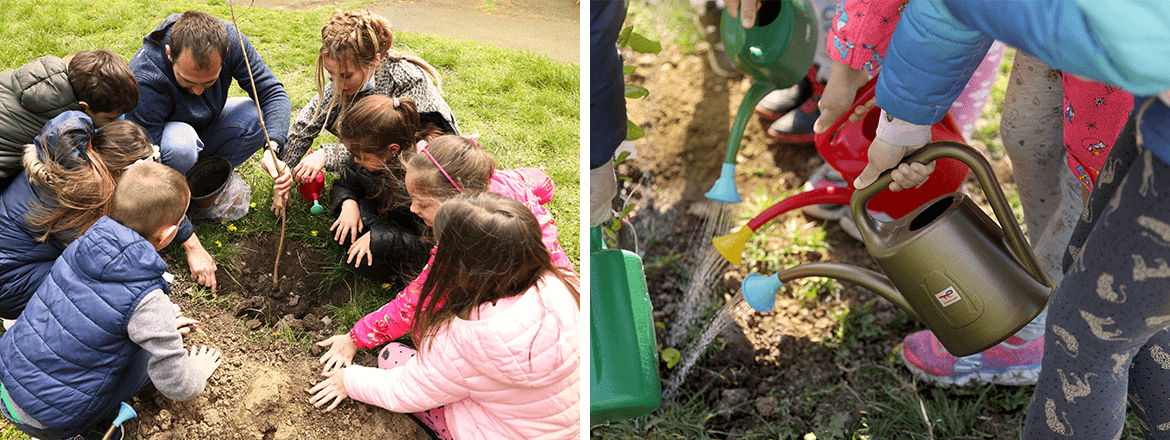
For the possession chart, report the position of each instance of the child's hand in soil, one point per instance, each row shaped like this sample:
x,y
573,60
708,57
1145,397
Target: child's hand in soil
x,y
340,354
185,325
333,387
205,359
360,248
349,222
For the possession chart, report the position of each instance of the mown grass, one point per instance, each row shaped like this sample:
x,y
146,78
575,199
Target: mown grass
x,y
525,106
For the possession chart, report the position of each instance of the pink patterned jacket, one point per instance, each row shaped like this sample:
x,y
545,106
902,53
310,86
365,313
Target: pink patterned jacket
x,y
396,318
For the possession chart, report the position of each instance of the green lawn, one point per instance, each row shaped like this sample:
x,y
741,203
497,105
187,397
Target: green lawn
x,y
525,106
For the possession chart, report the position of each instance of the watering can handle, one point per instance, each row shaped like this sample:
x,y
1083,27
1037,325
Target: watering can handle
x,y
964,153
864,94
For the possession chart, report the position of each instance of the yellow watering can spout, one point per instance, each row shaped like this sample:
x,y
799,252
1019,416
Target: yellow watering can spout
x,y
730,246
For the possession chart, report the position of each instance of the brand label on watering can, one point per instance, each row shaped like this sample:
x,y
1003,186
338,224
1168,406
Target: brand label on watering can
x,y
948,296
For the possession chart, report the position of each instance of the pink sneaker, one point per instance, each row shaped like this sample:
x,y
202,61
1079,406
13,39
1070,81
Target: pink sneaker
x,y
1013,362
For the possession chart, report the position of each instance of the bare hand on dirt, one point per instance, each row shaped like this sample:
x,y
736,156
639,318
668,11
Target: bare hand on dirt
x,y
744,10
360,249
205,359
186,325
200,262
340,354
348,222
282,179
332,388
309,166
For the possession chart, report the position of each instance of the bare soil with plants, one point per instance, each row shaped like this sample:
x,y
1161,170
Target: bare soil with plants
x,y
260,390
823,364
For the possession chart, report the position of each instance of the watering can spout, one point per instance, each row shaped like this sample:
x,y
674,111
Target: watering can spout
x,y
730,246
760,291
724,189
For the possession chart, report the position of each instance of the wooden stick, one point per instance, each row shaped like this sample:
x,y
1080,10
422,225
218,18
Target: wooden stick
x,y
280,169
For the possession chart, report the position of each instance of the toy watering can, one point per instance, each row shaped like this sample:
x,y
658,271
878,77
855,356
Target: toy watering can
x,y
312,190
946,263
624,381
845,147
125,412
776,53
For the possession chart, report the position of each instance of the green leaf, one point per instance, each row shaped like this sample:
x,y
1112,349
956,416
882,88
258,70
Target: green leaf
x,y
624,37
621,158
633,131
635,91
628,70
671,356
642,44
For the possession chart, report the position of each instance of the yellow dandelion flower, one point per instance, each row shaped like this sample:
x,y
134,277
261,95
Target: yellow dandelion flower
x,y
218,244
314,233
253,204
232,227
386,286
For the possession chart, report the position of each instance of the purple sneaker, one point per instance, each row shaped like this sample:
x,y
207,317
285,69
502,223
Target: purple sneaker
x,y
1013,362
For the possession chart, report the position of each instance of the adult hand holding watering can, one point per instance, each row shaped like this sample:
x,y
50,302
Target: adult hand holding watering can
x,y
896,139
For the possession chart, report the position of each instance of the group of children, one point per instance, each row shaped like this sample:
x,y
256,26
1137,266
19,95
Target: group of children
x,y
88,205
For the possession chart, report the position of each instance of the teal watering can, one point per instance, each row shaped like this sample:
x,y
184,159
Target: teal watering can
x,y
776,53
972,282
624,381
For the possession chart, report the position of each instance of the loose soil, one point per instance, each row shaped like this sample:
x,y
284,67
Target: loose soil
x,y
762,370
260,390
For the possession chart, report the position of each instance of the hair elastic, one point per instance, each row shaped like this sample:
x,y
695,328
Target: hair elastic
x,y
156,156
473,138
395,102
422,148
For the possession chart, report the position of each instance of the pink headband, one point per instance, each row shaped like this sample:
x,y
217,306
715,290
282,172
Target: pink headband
x,y
422,148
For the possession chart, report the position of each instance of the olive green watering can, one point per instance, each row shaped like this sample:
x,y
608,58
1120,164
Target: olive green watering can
x,y
946,263
776,52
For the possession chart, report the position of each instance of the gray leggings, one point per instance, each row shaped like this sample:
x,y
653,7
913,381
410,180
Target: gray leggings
x,y
1032,131
1107,321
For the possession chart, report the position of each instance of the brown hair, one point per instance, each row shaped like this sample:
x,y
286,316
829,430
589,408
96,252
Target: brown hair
x,y
149,197
468,164
80,194
200,33
489,248
102,79
358,38
375,123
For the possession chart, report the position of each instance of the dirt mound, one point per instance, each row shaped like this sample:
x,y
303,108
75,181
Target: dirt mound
x,y
260,390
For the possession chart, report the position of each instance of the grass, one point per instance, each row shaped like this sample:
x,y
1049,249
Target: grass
x,y
525,106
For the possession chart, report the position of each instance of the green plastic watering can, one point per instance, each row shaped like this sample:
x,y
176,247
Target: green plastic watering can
x,y
776,53
624,381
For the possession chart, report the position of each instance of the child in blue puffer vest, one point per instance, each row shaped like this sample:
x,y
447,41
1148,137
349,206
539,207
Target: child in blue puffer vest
x,y
101,327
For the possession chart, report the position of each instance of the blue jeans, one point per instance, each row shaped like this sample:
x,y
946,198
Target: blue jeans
x,y
133,382
235,135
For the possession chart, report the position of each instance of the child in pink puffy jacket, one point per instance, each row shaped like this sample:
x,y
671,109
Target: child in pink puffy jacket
x,y
497,334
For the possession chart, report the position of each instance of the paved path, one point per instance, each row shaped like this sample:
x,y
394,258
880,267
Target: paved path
x,y
549,27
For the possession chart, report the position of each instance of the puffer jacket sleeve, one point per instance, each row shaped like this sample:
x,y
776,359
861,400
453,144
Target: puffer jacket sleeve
x,y
928,63
419,385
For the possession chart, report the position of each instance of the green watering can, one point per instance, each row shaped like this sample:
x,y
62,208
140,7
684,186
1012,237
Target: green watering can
x,y
946,263
624,381
776,52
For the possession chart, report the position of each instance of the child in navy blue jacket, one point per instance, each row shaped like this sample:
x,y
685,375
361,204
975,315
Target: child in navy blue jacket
x,y
101,327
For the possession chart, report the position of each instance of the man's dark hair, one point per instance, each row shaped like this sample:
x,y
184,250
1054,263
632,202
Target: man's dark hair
x,y
200,33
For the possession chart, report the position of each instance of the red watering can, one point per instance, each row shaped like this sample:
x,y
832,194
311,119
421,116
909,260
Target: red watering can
x,y
312,190
845,146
